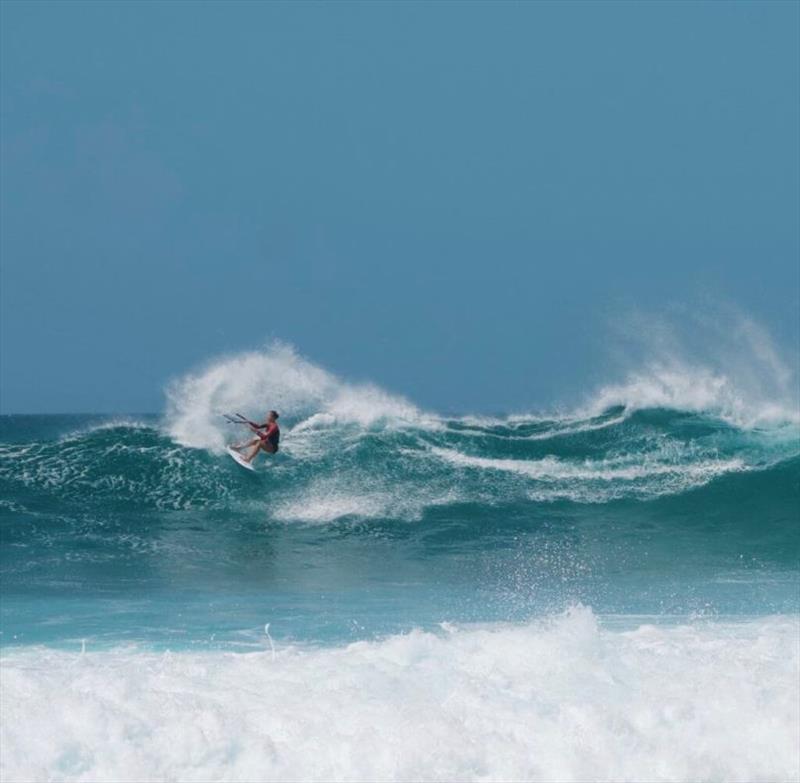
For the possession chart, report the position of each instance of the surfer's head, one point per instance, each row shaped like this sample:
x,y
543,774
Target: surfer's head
x,y
272,415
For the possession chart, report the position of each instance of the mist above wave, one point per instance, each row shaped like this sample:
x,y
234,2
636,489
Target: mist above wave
x,y
276,377
710,359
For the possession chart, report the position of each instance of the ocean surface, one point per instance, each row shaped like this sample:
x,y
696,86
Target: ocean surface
x,y
609,592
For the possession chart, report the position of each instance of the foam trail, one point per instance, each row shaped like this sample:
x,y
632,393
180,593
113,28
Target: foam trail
x,y
561,700
601,481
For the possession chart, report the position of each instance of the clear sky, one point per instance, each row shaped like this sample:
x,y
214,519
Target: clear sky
x,y
449,199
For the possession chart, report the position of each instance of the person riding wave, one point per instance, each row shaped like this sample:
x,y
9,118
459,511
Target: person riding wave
x,y
268,436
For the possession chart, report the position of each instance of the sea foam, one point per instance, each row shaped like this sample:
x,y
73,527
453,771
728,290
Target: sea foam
x,y
567,699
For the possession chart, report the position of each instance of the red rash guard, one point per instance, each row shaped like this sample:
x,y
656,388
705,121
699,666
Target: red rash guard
x,y
272,434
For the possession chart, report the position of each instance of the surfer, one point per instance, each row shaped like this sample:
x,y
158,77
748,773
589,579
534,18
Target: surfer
x,y
268,436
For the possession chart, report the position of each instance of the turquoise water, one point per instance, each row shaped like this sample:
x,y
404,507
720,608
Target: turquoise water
x,y
112,531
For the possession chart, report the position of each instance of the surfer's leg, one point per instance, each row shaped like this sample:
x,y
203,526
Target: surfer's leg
x,y
256,447
240,446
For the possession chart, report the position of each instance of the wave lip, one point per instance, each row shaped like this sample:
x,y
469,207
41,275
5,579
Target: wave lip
x,y
559,700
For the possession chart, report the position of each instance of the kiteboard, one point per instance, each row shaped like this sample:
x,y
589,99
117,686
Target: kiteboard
x,y
239,459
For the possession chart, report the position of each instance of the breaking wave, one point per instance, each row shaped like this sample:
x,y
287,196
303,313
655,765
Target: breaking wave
x,y
559,700
358,451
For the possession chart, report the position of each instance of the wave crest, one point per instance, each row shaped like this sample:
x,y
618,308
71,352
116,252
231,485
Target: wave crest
x,y
719,362
274,378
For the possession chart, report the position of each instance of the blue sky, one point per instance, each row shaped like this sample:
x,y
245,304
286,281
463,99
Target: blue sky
x,y
451,200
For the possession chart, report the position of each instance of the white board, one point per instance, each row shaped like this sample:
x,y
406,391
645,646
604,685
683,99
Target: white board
x,y
240,459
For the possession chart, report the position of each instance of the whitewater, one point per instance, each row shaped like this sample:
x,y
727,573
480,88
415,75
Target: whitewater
x,y
608,591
